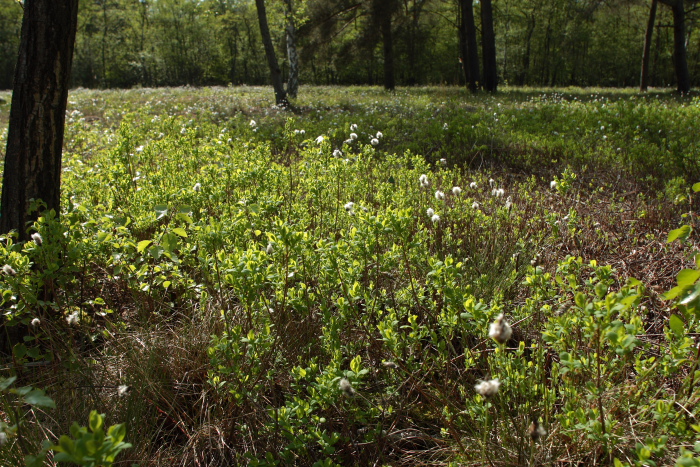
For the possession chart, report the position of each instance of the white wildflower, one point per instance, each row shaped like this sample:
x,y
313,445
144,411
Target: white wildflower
x,y
123,390
488,389
445,127
380,135
36,236
509,203
435,218
253,124
374,141
36,322
498,192
337,153
456,190
319,140
353,136
270,249
536,431
491,182
473,185
500,330
430,212
353,127
443,161
439,195
423,179
3,438
349,206
553,184
197,187
346,387
475,205
139,149
9,270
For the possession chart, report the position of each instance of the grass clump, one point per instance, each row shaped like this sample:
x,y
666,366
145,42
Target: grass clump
x,y
239,292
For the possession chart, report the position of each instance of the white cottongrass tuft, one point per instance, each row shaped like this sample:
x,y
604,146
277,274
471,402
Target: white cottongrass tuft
x,y
349,206
36,236
337,153
509,203
270,249
319,140
299,132
36,322
3,438
353,127
488,389
553,184
346,387
498,192
500,330
475,205
456,190
423,179
435,218
439,195
374,141
443,161
380,135
197,187
353,136
473,185
123,390
430,212
253,124
9,270
73,318
491,182
536,431
445,126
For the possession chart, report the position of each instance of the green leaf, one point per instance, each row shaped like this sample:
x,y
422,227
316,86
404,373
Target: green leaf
x,y
96,421
161,211
36,397
143,244
6,382
688,277
682,233
676,325
65,444
673,293
693,295
696,187
180,231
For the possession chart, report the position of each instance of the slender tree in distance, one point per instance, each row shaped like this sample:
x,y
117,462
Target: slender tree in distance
x,y
488,46
275,72
644,78
292,54
680,55
35,138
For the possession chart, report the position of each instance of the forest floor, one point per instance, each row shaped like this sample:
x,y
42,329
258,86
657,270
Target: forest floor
x,y
422,277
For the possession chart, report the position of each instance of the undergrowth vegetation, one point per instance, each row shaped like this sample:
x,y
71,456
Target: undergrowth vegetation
x,y
416,278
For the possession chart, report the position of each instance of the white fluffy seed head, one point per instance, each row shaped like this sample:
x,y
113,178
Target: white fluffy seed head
x,y
197,187
380,134
475,205
473,185
252,124
353,136
488,389
430,212
36,236
353,127
349,205
456,190
337,153
270,249
346,387
435,218
123,390
500,330
553,184
73,318
9,270
439,195
36,322
374,141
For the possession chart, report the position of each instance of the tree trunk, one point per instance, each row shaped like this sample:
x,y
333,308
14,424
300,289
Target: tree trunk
x,y
292,55
488,46
468,44
383,11
680,57
275,72
644,78
37,117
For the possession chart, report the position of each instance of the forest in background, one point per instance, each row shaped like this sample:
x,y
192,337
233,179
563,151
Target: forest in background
x,y
127,43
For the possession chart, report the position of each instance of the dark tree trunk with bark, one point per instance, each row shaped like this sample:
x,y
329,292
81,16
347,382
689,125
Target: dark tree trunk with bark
x,y
468,45
680,56
488,46
644,78
292,55
383,11
275,72
37,117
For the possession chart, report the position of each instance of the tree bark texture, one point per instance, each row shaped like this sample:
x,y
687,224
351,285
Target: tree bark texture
x,y
468,44
680,56
488,46
37,117
275,72
292,54
383,10
644,78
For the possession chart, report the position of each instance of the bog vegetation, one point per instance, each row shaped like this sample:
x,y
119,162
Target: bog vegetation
x,y
422,277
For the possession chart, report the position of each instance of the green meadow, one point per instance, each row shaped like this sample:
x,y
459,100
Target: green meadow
x,y
421,277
